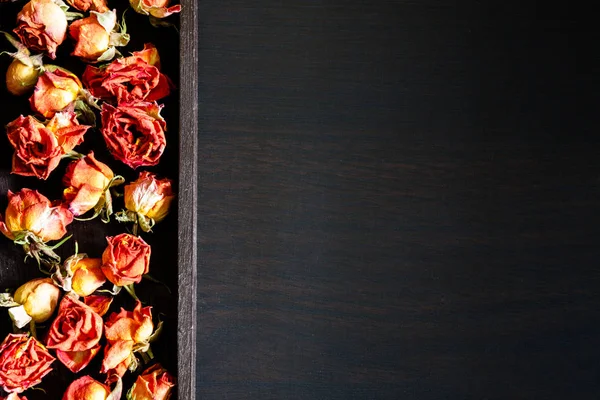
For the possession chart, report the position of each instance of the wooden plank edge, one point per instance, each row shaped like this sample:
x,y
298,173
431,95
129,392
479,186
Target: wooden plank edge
x,y
187,215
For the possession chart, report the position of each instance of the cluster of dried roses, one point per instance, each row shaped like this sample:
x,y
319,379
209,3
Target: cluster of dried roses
x,y
126,91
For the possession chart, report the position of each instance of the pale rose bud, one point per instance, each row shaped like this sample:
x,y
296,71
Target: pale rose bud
x,y
42,25
39,298
87,276
155,8
149,196
21,78
155,383
86,388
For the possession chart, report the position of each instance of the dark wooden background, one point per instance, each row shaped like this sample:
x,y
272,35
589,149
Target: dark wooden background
x,y
398,200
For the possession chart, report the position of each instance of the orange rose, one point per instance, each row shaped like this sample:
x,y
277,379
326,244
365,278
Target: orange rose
x,y
23,363
54,92
129,79
126,332
75,334
29,211
100,304
126,259
87,182
86,388
134,133
89,5
149,196
96,38
155,8
155,383
42,25
38,147
38,298
87,276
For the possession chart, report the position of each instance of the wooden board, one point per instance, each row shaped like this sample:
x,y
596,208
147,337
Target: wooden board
x,y
173,259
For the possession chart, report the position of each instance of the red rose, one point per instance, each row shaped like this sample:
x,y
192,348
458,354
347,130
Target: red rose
x,y
134,133
29,211
155,383
75,334
87,181
38,147
23,363
129,79
126,332
42,25
126,259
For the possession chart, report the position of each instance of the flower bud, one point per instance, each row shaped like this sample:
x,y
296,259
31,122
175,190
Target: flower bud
x,y
149,196
21,78
86,388
54,91
155,8
39,298
87,276
155,383
42,25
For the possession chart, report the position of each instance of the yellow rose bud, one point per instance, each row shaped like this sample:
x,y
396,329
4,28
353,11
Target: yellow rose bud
x,y
87,276
149,196
39,298
21,78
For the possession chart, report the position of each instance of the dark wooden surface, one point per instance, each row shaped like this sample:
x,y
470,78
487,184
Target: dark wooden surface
x,y
398,200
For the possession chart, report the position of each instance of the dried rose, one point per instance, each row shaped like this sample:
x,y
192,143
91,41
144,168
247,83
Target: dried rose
x,y
134,133
129,79
42,25
75,334
155,383
86,388
96,36
20,77
89,5
100,304
23,363
55,91
87,276
147,200
38,147
29,211
126,332
126,259
155,8
88,182
38,298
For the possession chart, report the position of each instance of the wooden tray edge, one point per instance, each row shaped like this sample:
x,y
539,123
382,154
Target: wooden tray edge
x,y
187,218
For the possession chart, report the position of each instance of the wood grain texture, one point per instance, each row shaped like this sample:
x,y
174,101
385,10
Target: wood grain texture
x,y
397,200
187,201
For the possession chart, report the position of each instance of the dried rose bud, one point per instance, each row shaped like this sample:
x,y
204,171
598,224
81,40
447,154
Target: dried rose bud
x,y
126,332
75,334
89,5
87,276
96,37
155,383
87,181
21,78
126,259
100,304
42,25
30,211
39,298
155,8
54,91
86,388
149,196
23,363
134,132
38,147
